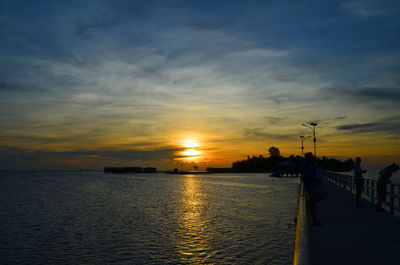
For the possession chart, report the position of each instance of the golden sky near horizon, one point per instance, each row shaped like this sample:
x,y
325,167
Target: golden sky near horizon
x,y
94,85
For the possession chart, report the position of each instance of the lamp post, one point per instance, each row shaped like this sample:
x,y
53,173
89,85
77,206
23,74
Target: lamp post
x,y
302,138
313,124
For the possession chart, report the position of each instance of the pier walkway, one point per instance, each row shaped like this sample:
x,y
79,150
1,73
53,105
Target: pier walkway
x,y
352,235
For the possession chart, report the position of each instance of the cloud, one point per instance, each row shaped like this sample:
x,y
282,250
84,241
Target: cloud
x,y
18,158
256,133
143,155
364,127
371,8
387,126
365,95
4,86
373,94
275,120
83,28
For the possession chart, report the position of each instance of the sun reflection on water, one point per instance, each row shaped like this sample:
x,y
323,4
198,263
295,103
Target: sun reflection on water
x,y
194,234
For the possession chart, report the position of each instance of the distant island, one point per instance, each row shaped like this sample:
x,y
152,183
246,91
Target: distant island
x,y
260,163
121,170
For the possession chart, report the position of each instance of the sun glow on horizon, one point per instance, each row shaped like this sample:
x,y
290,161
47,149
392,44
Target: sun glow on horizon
x,y
191,143
191,152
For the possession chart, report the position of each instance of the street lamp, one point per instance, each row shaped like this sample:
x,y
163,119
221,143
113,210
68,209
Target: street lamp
x,y
302,138
313,124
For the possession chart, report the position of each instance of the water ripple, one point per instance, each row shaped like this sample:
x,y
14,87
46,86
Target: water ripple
x,y
93,218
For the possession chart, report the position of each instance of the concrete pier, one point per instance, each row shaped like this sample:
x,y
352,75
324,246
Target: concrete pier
x,y
352,235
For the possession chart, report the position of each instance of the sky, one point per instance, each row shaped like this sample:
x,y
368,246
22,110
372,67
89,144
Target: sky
x,y
89,84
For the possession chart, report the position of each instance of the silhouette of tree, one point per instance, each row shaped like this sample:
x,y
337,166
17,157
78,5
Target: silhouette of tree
x,y
262,164
332,164
273,151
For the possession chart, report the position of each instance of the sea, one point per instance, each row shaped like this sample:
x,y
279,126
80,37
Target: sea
x,y
373,173
98,218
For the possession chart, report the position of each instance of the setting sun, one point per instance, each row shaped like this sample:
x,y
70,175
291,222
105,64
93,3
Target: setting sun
x,y
191,152
192,147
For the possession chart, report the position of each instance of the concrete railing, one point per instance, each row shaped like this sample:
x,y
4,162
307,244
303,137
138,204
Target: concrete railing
x,y
392,202
301,246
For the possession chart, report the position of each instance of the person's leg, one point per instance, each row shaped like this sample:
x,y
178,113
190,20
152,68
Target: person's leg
x,y
380,196
383,193
357,200
358,193
313,211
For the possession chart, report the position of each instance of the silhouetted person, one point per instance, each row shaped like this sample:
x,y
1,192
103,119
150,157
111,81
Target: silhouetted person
x,y
318,175
313,191
358,180
384,176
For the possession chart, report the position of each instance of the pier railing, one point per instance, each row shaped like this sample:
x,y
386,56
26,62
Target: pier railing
x,y
392,202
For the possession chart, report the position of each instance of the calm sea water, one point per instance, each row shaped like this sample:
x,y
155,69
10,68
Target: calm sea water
x,y
373,173
96,218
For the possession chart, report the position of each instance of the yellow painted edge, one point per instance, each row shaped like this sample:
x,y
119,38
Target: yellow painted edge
x,y
299,207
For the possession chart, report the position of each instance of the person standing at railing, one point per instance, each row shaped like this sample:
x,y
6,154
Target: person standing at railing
x,y
384,176
313,191
358,180
318,175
